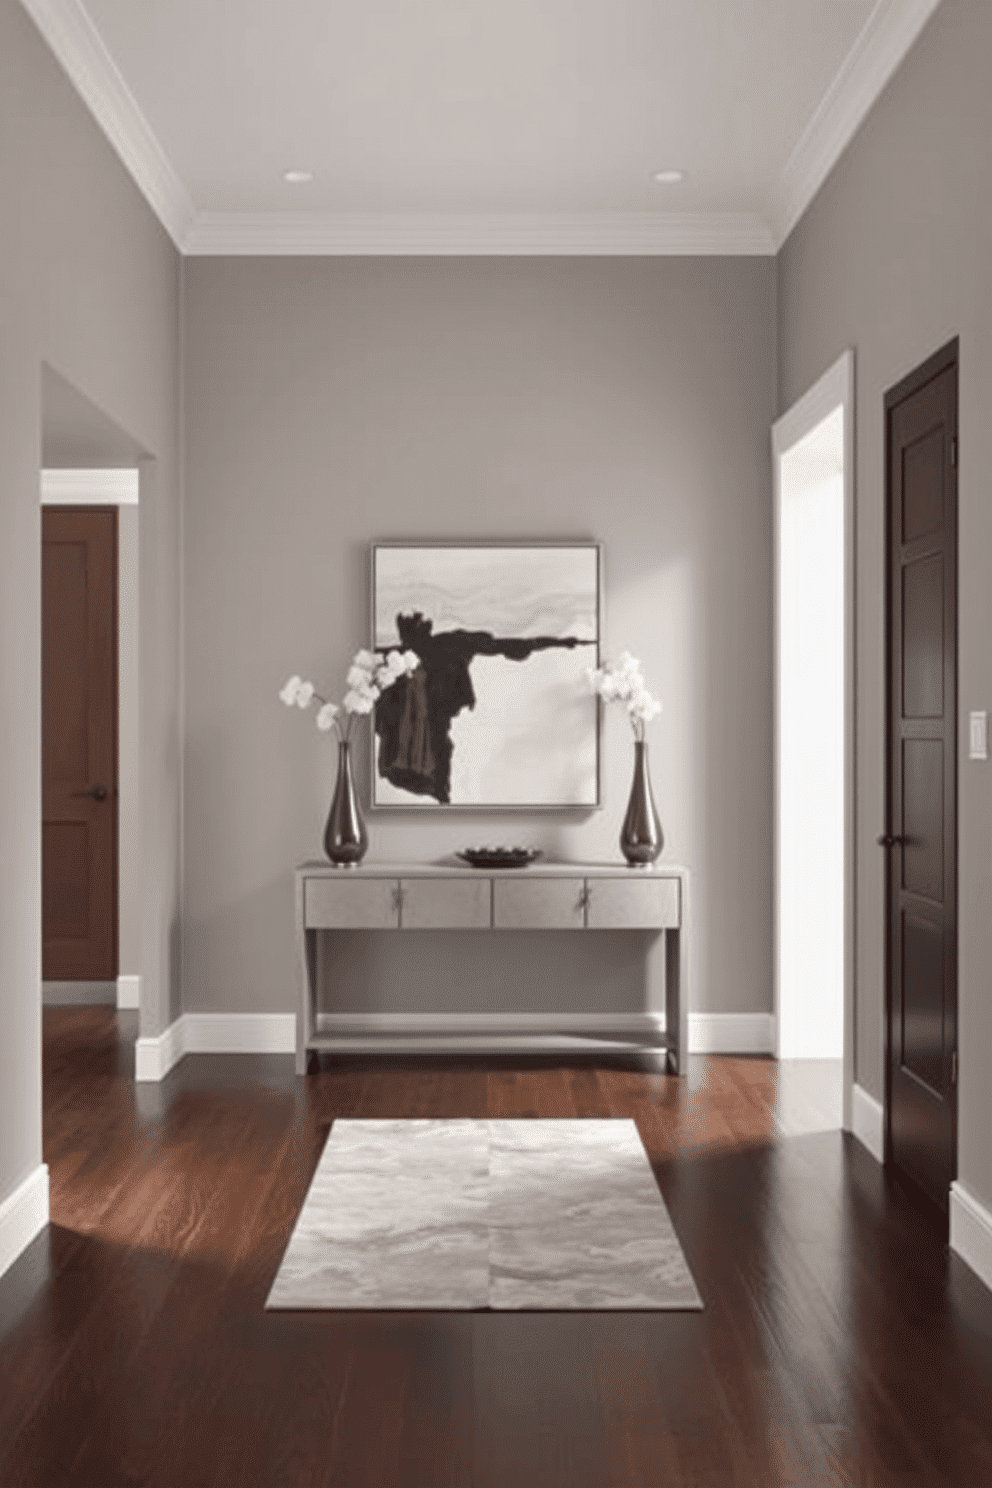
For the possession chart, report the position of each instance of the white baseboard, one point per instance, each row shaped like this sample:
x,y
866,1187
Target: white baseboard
x,y
275,1033
129,991
155,1057
23,1215
868,1122
971,1232
214,1033
731,1033
239,1033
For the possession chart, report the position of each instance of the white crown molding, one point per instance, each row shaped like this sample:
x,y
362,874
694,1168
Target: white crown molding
x,y
81,487
23,1214
592,234
886,37
77,44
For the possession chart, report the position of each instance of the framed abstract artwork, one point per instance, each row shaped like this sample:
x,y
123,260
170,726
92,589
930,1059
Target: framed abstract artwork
x,y
499,714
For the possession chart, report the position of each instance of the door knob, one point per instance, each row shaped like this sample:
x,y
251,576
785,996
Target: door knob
x,y
95,793
888,840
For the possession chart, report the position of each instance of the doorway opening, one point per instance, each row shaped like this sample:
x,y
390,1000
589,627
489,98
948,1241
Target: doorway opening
x,y
91,849
814,743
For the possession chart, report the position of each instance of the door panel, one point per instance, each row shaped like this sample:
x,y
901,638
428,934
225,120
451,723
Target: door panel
x,y
923,818
922,484
922,1027
79,743
921,993
923,638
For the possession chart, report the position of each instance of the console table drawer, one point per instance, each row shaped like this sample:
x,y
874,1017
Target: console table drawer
x,y
539,904
446,903
632,903
352,904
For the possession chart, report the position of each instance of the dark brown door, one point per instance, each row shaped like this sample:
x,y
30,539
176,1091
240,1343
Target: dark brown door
x,y
79,743
921,484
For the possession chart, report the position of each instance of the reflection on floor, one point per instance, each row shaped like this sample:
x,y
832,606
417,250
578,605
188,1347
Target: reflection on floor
x,y
840,1342
809,1096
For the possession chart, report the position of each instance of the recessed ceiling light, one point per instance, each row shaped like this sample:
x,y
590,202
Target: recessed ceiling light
x,y
297,177
669,177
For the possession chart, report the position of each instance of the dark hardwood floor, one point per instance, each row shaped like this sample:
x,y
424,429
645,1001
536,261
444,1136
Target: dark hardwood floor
x,y
840,1342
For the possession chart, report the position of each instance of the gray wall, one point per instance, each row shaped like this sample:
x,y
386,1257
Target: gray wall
x,y
893,258
89,283
330,402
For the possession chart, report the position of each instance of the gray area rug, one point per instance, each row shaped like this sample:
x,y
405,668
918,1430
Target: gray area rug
x,y
503,1214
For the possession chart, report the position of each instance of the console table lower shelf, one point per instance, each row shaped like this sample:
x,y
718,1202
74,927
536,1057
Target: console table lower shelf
x,y
584,898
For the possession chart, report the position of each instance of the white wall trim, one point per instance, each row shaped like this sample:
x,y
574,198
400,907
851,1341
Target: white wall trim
x,y
89,487
214,1033
239,1033
971,1232
129,991
885,39
80,48
835,388
155,1057
23,1214
599,233
868,1122
731,1033
275,1033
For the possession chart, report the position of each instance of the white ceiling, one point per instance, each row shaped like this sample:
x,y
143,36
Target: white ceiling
x,y
479,125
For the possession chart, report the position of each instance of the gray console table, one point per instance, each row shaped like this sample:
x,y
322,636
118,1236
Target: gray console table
x,y
582,897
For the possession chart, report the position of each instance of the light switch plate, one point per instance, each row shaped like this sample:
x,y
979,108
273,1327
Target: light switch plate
x,y
978,736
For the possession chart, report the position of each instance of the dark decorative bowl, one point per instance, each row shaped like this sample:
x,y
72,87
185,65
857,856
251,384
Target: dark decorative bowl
x,y
499,857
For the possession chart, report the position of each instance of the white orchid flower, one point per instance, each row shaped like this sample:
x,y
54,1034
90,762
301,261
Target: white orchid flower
x,y
625,684
368,677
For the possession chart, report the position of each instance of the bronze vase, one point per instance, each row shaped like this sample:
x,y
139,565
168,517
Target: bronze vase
x,y
345,838
641,837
